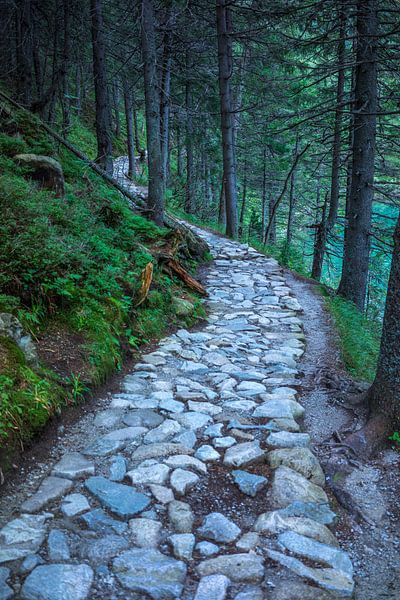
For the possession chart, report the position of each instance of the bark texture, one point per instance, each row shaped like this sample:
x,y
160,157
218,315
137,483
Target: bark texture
x,y
354,279
103,110
155,201
224,31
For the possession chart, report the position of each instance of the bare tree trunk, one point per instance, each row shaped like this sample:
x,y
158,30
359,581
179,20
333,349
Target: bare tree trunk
x,y
165,98
383,397
128,104
244,198
327,224
189,197
224,32
354,279
117,120
179,147
78,89
103,111
320,240
270,235
222,205
155,199
66,101
24,26
292,199
264,194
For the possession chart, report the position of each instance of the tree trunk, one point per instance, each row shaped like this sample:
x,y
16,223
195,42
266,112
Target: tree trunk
x,y
292,199
384,394
244,198
222,205
354,279
224,33
103,111
155,199
128,104
179,148
270,238
117,120
320,242
383,397
189,196
66,101
264,195
24,26
327,223
165,99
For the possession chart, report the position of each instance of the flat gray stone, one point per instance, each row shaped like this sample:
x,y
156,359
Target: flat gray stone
x,y
252,387
104,447
74,504
145,532
240,568
280,408
207,453
5,591
161,493
118,468
186,462
73,466
149,471
287,439
293,590
182,545
22,536
329,579
244,454
98,520
254,593
204,407
301,460
50,489
289,486
224,442
29,563
109,418
180,516
206,549
248,541
212,586
58,582
144,417
313,550
57,546
218,528
186,438
213,431
120,499
163,432
150,572
249,483
125,434
101,550
193,420
319,512
157,450
182,481
274,522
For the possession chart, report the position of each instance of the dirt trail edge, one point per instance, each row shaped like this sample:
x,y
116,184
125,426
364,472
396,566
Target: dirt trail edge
x,y
195,479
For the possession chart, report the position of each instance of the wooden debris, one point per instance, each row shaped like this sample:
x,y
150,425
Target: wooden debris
x,y
146,278
170,264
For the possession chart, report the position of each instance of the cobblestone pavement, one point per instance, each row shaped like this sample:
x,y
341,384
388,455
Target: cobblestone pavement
x,y
197,481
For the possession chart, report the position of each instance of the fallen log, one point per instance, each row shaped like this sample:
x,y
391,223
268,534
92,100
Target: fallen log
x,y
171,264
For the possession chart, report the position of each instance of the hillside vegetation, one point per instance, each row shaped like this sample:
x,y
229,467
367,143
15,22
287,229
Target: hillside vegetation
x,y
70,272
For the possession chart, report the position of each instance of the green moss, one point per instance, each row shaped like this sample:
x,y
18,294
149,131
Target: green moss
x,y
75,261
359,337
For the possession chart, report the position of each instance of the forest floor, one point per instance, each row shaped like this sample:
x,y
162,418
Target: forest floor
x,y
177,425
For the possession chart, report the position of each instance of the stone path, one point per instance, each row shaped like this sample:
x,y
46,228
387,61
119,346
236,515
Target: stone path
x,y
198,482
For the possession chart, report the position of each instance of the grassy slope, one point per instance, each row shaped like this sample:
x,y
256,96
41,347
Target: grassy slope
x,y
69,271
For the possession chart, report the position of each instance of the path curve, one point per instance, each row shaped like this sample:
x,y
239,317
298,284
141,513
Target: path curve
x,y
196,481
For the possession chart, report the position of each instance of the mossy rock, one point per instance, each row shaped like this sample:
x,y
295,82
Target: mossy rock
x,y
45,170
182,308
